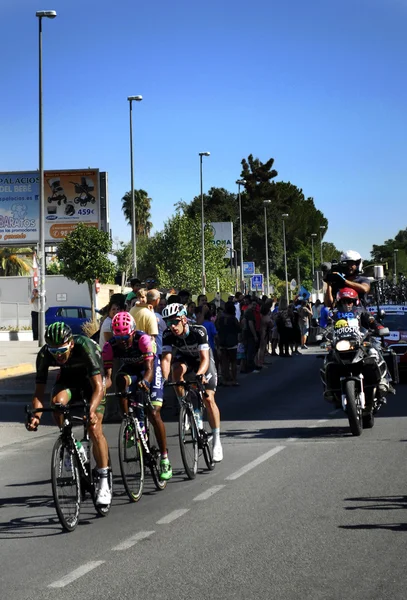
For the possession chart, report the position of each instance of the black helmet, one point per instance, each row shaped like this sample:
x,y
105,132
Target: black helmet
x,y
58,334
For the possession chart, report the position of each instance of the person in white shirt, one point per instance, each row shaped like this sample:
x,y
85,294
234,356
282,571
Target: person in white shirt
x,y
35,309
106,327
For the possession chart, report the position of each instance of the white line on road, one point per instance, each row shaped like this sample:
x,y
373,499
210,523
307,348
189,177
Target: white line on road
x,y
175,514
292,439
76,574
254,463
322,421
208,493
126,544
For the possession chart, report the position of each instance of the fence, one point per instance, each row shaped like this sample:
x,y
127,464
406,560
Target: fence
x,y
15,314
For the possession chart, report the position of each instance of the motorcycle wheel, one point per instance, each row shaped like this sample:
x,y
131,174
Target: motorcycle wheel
x,y
368,421
353,409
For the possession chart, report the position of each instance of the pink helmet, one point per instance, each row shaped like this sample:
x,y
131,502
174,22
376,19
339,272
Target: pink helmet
x,y
123,324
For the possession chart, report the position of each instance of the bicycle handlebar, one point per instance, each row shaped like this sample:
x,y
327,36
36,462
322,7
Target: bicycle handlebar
x,y
63,409
189,384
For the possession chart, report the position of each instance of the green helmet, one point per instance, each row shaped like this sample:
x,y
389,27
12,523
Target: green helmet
x,y
58,334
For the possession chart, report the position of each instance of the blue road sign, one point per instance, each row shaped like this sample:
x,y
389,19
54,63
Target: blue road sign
x,y
256,282
248,268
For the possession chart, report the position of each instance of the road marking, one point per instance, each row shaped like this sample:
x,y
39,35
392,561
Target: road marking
x,y
322,421
210,492
175,514
292,439
76,574
126,544
254,463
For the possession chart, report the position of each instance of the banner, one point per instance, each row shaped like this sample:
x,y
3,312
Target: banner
x,y
19,208
70,197
223,232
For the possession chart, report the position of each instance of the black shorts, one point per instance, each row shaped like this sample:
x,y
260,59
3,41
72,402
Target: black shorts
x,y
82,388
192,365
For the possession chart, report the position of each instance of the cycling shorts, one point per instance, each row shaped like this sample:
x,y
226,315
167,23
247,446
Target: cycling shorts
x,y
81,389
192,365
134,376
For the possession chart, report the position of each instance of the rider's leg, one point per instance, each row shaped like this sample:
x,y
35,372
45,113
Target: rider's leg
x,y
60,395
178,371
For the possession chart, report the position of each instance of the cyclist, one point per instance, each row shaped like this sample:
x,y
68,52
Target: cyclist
x,y
140,369
192,354
81,371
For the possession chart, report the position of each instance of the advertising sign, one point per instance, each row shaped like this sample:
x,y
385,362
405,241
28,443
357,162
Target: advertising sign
x,y
19,208
248,268
256,282
70,197
223,232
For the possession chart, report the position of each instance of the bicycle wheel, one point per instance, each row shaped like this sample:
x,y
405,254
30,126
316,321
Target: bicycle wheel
x,y
188,441
102,510
206,440
155,457
65,484
131,460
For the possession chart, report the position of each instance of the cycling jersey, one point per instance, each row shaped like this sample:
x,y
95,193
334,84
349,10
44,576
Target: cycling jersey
x,y
142,347
188,345
84,361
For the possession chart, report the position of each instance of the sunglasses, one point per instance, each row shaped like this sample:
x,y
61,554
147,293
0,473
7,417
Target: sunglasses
x,y
173,322
122,338
58,351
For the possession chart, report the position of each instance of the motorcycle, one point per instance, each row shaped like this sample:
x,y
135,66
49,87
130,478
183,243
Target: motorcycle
x,y
352,371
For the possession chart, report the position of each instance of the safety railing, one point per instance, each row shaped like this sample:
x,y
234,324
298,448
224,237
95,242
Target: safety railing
x,y
15,314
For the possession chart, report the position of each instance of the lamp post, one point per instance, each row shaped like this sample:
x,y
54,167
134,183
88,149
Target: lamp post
x,y
239,183
313,237
322,229
201,154
266,203
284,217
395,266
41,14
133,205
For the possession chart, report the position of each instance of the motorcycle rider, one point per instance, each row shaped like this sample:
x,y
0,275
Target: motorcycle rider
x,y
347,308
349,276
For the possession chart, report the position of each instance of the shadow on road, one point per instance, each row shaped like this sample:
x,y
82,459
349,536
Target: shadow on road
x,y
377,503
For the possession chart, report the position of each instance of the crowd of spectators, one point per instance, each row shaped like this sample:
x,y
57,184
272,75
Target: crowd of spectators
x,y
241,332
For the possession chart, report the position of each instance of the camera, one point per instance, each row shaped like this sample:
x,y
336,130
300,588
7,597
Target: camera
x,y
333,272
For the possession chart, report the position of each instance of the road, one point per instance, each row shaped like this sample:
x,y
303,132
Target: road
x,y
298,509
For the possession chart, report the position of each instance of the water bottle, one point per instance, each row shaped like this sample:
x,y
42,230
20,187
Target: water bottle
x,y
85,446
140,417
198,418
82,452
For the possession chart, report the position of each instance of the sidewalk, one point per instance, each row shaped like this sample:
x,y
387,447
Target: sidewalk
x,y
17,358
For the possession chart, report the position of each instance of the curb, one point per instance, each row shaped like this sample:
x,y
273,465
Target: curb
x,y
23,369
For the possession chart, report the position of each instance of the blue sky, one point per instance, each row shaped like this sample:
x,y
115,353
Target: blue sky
x,y
319,86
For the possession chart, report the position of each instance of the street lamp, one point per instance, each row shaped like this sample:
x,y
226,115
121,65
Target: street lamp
x,y
47,14
322,229
201,154
133,204
284,216
266,203
313,237
395,266
239,183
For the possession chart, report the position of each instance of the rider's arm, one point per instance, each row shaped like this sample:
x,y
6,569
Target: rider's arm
x,y
204,364
42,365
148,369
360,288
328,296
166,364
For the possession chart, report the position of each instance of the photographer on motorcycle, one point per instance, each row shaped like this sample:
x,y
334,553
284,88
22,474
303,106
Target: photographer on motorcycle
x,y
347,273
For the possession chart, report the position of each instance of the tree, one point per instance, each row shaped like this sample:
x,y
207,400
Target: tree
x,y
143,215
15,261
124,257
384,254
176,252
83,257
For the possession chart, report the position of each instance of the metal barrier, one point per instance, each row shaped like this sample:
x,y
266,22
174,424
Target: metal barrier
x,y
15,314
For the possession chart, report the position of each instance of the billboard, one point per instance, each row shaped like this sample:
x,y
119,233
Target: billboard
x,y
70,197
223,232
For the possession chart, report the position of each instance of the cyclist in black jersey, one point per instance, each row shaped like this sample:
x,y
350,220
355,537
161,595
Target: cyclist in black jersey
x,y
81,371
192,354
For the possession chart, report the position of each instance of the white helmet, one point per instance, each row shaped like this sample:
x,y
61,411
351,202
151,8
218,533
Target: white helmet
x,y
353,256
174,310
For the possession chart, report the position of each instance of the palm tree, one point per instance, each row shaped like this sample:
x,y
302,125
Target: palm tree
x,y
15,261
143,206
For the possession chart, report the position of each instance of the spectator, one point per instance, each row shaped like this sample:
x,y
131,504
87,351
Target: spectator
x,y
296,331
212,333
285,329
202,299
105,332
323,316
250,336
35,309
161,305
191,312
237,301
173,299
131,297
154,299
228,329
304,315
316,311
266,325
143,312
150,283
184,296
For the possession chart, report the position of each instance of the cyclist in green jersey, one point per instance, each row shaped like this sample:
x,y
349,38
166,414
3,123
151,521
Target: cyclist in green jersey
x,y
81,372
